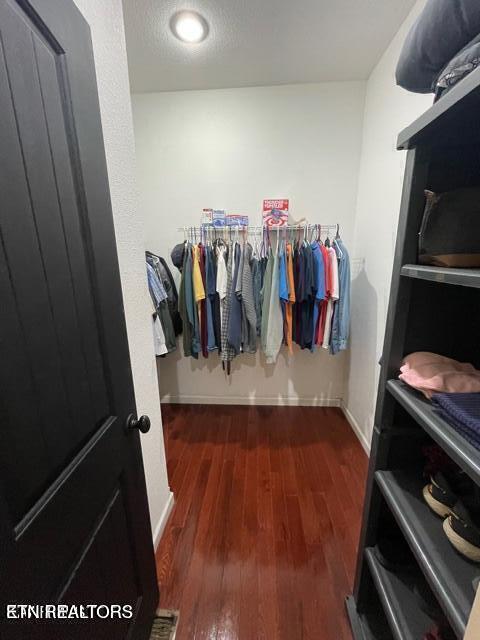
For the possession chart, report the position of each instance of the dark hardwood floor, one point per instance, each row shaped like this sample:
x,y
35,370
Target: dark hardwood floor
x,y
262,539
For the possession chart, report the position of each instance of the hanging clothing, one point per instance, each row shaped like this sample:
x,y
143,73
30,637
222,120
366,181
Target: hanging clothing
x,y
229,296
291,299
166,279
266,295
159,299
198,287
309,298
249,314
157,292
199,296
159,344
210,299
341,314
323,309
258,272
182,309
283,287
274,329
191,303
228,353
235,317
334,293
221,251
320,290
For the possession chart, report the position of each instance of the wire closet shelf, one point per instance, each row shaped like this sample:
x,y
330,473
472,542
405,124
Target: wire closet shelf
x,y
210,231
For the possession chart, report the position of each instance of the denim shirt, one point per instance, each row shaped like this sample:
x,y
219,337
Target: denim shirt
x,y
341,314
155,286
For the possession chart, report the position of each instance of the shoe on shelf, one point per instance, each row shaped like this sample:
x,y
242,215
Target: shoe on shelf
x,y
463,533
447,487
439,495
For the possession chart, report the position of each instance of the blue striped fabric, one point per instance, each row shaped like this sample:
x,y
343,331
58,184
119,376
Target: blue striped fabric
x,y
462,412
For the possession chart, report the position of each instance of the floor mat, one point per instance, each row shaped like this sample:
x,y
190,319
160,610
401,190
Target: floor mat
x,y
164,625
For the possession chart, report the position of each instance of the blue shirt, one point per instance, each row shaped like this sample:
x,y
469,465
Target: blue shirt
x,y
157,290
341,313
319,272
320,293
282,277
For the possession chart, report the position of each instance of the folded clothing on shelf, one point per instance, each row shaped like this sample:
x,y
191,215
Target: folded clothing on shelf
x,y
462,412
432,373
442,29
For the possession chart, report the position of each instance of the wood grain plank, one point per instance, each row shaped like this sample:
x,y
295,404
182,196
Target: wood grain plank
x,y
261,543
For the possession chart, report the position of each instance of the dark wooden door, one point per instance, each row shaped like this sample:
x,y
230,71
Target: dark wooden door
x,y
74,522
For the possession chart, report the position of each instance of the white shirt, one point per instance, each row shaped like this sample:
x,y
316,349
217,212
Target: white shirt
x,y
221,273
159,344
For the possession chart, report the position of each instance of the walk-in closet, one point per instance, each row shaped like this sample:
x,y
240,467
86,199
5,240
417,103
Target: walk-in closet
x,y
239,352
311,255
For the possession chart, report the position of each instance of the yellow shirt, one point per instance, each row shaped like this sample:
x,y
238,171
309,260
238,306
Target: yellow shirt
x,y
198,288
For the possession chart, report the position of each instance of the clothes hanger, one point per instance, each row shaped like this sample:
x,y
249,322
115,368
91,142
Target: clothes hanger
x,y
328,242
255,245
337,237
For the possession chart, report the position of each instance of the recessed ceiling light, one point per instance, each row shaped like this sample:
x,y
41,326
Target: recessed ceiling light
x,y
189,26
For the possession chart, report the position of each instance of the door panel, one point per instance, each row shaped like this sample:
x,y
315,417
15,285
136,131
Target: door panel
x,y
75,524
49,276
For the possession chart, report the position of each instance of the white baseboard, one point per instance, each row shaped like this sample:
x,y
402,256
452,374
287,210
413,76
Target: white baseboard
x,y
356,429
276,401
159,529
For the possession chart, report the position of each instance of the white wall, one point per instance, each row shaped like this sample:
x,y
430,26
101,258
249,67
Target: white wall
x,y
106,22
231,149
388,109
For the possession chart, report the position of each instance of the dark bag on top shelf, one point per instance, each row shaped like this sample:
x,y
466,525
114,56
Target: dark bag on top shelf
x,y
450,231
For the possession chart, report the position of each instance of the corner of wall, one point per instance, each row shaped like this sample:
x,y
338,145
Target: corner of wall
x,y
106,22
159,527
387,110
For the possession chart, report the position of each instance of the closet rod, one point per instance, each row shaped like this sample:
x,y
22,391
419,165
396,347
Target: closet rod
x,y
260,229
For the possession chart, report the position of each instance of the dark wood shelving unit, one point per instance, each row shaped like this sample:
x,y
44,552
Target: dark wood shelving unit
x,y
450,576
460,277
430,309
399,593
459,449
445,116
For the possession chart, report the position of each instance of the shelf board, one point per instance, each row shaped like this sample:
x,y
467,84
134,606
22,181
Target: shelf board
x,y
459,277
448,573
366,626
461,451
399,593
463,97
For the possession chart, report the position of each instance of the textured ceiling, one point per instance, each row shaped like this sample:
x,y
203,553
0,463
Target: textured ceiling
x,y
259,42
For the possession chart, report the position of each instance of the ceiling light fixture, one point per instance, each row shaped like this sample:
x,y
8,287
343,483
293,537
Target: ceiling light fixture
x,y
189,26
